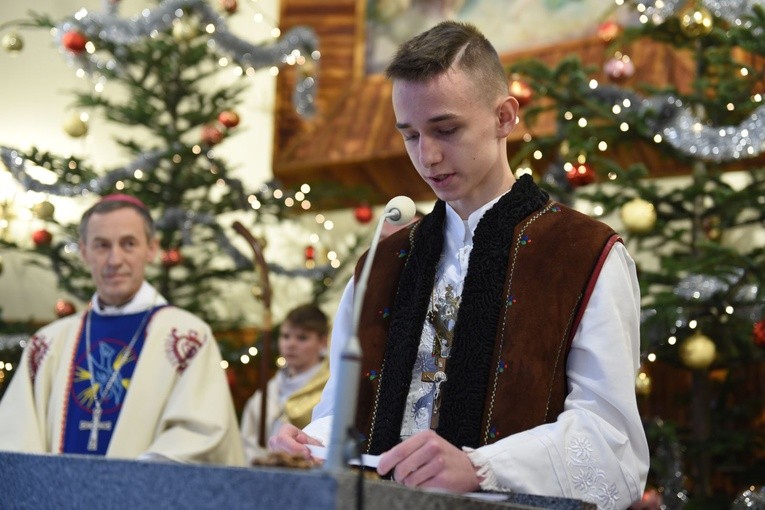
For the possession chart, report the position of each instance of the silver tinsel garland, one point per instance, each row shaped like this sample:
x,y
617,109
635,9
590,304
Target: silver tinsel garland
x,y
16,164
685,131
172,218
678,124
184,220
700,288
731,11
12,341
109,27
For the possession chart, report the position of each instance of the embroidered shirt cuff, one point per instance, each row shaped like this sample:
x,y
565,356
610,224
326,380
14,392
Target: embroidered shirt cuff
x,y
483,470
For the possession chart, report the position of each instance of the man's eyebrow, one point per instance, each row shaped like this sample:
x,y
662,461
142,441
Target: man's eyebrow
x,y
121,238
432,120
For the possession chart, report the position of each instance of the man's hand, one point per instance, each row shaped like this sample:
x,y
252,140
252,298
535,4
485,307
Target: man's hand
x,y
428,460
292,440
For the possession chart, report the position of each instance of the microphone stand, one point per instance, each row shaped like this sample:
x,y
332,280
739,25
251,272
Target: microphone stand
x,y
343,436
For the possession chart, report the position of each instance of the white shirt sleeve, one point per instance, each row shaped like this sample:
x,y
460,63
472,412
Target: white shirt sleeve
x,y
342,326
596,450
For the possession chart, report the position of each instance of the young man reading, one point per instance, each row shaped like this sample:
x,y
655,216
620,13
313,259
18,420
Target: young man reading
x,y
503,328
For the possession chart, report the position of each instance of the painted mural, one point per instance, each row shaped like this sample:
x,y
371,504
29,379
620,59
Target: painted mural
x,y
510,25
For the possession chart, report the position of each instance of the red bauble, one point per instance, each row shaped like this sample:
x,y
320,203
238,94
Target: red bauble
x,y
758,333
42,237
74,41
651,500
619,68
171,257
64,308
521,91
363,213
609,30
310,252
580,174
230,6
228,118
231,378
211,135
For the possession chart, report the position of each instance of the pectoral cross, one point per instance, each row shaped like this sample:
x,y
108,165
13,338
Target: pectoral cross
x,y
95,426
442,316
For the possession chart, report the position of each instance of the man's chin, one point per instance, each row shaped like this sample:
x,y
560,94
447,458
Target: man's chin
x,y
115,295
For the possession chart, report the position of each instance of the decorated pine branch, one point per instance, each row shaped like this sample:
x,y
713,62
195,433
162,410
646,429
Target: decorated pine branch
x,y
698,243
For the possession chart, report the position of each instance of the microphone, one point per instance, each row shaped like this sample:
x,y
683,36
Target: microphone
x,y
399,210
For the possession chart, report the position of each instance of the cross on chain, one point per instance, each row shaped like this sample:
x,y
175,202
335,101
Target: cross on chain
x,y
95,426
443,316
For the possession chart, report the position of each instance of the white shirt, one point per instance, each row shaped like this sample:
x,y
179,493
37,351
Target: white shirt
x,y
146,297
596,450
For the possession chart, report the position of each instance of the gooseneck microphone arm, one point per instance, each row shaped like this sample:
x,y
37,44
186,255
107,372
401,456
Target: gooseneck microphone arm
x,y
398,211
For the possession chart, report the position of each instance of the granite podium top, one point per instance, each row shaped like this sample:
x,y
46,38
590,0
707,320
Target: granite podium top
x,y
42,482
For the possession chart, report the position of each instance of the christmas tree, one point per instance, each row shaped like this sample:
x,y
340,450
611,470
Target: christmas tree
x,y
613,125
155,77
156,69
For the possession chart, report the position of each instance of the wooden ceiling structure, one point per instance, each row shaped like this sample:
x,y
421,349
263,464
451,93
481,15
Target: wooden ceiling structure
x,y
352,142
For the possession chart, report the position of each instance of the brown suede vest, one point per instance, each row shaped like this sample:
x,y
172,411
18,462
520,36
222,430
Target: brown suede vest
x,y
531,270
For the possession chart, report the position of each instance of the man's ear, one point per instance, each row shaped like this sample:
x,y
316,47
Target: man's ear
x,y
507,116
153,249
83,250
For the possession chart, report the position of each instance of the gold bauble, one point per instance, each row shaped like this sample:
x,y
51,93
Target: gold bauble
x,y
12,42
184,31
698,351
696,21
711,227
44,210
638,216
74,126
643,384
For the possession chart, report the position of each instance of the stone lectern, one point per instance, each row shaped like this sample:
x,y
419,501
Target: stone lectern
x,y
60,482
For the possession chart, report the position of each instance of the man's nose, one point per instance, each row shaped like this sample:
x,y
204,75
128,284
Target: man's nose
x,y
430,151
115,256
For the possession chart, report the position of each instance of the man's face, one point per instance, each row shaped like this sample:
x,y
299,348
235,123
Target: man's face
x,y
300,347
456,137
116,251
